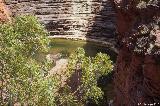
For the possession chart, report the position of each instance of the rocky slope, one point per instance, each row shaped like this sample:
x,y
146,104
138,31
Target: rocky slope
x,y
137,76
70,17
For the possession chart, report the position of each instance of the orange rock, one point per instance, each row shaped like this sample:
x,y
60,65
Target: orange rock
x,y
4,13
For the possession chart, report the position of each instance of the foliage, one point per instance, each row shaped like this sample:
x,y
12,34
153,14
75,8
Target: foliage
x,y
22,76
91,69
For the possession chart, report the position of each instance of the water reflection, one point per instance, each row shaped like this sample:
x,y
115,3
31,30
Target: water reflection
x,y
91,48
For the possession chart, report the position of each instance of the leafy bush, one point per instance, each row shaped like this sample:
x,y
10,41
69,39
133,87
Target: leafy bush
x,y
22,76
91,69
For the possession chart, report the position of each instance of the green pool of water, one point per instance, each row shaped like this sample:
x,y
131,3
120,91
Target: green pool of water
x,y
91,48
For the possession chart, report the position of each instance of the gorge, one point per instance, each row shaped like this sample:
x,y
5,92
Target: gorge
x,y
137,70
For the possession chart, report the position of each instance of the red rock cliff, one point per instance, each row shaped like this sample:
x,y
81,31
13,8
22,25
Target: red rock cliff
x,y
4,14
137,76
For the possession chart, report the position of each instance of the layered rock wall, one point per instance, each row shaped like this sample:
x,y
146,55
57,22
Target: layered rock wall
x,y
137,76
70,17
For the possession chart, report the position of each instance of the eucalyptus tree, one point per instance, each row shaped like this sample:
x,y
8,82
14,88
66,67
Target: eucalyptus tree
x,y
24,79
89,70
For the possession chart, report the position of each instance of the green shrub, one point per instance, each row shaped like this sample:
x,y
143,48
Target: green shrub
x,y
92,68
22,76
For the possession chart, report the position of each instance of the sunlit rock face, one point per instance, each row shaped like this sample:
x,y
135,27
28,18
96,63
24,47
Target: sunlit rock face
x,y
4,13
70,17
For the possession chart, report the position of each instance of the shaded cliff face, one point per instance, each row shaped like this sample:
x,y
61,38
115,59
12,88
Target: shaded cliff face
x,y
70,17
137,76
4,14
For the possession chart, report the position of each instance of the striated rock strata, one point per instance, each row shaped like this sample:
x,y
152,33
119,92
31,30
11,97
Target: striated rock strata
x,y
137,76
70,17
